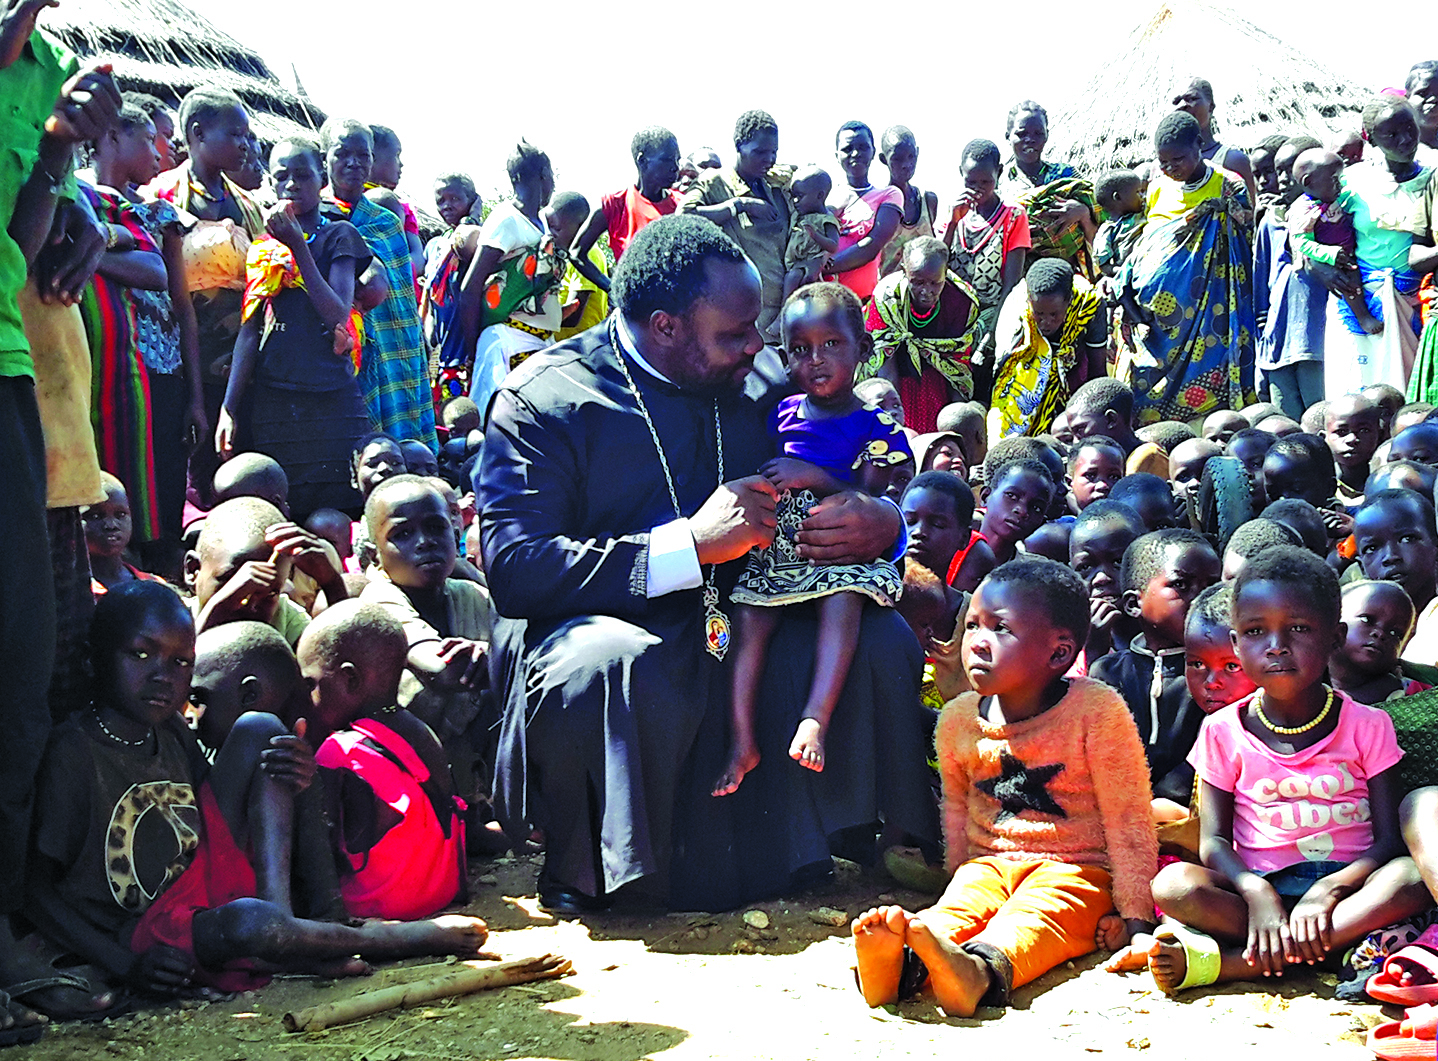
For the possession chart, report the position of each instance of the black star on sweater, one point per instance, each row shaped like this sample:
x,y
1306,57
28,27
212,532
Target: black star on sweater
x,y
1019,788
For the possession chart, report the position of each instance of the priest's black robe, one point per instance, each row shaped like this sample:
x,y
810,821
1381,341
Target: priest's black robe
x,y
615,719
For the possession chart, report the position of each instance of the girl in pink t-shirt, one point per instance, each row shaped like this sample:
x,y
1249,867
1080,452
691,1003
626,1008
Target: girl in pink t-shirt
x,y
1298,800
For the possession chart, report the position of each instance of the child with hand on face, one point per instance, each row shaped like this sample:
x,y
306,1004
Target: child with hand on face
x,y
1379,617
1322,230
1298,800
1095,465
446,620
814,237
1017,496
184,910
107,536
1100,537
1162,573
830,442
1046,811
398,824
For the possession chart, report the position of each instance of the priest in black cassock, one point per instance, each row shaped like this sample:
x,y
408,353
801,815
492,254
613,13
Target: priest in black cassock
x,y
618,495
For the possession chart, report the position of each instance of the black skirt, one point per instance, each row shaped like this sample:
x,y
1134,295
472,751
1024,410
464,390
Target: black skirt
x,y
312,434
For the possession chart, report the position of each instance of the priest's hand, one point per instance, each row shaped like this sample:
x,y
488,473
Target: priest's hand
x,y
848,528
738,516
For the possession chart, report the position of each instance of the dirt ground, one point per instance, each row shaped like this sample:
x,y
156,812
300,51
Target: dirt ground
x,y
689,986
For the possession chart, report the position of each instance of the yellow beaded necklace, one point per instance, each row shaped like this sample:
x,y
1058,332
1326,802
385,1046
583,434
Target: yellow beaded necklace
x,y
1292,731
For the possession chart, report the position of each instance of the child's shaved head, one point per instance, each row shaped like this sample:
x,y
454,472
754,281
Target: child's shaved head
x,y
359,649
252,475
241,666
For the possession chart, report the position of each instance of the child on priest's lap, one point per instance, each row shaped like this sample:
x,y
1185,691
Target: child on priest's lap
x,y
1045,810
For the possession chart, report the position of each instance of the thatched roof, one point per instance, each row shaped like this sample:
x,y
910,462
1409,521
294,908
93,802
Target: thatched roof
x,y
164,48
1263,86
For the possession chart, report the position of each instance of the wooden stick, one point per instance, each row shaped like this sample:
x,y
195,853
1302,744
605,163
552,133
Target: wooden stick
x,y
465,980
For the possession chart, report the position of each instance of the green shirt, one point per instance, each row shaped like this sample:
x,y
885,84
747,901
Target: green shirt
x,y
29,88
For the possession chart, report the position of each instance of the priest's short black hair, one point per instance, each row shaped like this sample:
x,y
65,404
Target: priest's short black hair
x,y
1064,596
663,267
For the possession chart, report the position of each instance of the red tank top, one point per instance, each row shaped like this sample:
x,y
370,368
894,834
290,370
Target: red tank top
x,y
417,867
974,538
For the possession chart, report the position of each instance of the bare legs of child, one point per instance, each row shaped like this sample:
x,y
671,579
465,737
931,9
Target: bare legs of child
x,y
839,617
1207,901
1370,324
1419,818
259,811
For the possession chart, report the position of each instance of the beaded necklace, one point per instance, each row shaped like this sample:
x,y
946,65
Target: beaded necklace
x,y
1293,731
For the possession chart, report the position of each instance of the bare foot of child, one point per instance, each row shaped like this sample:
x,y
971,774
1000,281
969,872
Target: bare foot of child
x,y
957,978
451,934
1130,955
1370,324
340,968
1168,963
879,947
807,747
741,761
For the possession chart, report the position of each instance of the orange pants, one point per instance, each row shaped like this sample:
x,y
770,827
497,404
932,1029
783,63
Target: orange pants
x,y
1037,914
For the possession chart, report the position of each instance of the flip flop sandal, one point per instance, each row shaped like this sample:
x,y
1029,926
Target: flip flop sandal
x,y
1225,500
1200,952
1422,953
18,1033
1412,1037
123,1003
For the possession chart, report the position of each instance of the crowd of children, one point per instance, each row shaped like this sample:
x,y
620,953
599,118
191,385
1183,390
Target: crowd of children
x,y
1179,642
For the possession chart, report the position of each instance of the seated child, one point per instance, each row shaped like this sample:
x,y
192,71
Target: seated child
x,y
1059,429
922,320
814,236
1351,429
1215,676
1379,617
1252,538
938,509
459,416
107,535
1162,573
246,667
397,827
1302,519
1297,801
446,620
1301,466
334,527
1395,541
830,442
1104,406
1095,464
1389,399
1279,426
1121,194
1166,434
1322,230
1186,462
882,394
966,419
1407,416
1222,425
940,452
1148,495
1042,854
168,911
1018,493
1260,411
1314,418
419,459
1418,443
252,475
377,457
1249,447
1050,540
242,560
1100,537
900,476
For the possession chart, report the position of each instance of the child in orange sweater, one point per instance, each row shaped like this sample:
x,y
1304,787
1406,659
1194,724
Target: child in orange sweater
x,y
1046,810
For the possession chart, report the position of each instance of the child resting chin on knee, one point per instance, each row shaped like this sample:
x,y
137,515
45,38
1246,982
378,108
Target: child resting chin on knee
x,y
1046,810
170,902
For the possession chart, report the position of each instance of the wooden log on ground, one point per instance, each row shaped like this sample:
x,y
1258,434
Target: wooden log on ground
x,y
466,979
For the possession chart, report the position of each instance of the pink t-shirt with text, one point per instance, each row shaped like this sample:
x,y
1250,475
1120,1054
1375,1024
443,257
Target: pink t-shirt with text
x,y
1310,806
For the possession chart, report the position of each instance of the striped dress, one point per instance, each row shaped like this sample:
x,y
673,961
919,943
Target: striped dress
x,y
394,375
120,383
